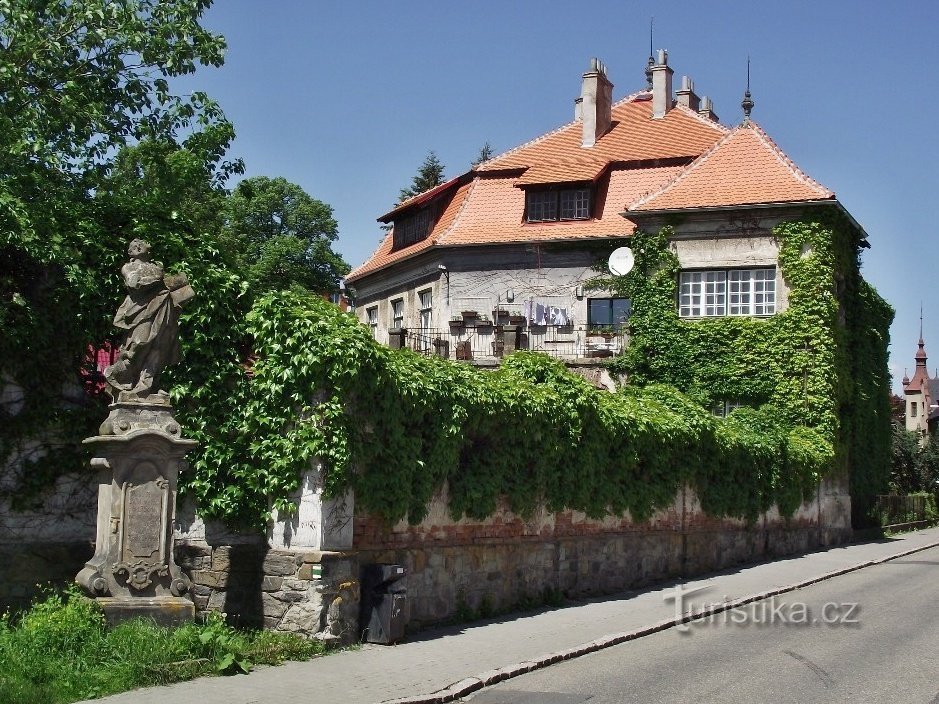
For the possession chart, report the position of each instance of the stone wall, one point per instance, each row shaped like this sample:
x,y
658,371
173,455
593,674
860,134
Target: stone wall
x,y
312,593
506,560
278,583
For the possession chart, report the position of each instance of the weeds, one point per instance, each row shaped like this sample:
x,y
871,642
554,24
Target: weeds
x,y
60,651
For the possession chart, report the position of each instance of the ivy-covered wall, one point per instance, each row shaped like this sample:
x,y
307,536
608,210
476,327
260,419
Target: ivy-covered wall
x,y
820,364
394,426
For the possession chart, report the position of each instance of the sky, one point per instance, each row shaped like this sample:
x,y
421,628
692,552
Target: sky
x,y
346,98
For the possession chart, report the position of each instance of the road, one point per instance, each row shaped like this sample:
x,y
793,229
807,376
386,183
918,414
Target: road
x,y
868,636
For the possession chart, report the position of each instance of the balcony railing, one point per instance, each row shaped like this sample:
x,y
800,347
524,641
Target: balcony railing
x,y
486,342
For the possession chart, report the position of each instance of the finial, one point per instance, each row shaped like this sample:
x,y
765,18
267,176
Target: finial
x,y
747,102
651,61
920,323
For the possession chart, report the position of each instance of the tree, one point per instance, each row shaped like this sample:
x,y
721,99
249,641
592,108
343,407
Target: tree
x,y
80,81
283,236
429,175
485,154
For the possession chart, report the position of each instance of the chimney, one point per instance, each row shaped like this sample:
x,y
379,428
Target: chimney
x,y
706,110
578,109
596,103
661,86
686,96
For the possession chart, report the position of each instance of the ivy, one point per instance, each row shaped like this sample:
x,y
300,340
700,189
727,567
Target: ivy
x,y
395,427
819,368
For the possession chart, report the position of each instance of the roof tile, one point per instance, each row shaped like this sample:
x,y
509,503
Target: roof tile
x,y
744,168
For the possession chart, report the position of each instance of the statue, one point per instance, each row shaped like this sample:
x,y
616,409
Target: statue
x,y
139,452
150,315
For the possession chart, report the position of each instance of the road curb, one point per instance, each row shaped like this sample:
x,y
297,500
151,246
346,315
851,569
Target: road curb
x,y
490,677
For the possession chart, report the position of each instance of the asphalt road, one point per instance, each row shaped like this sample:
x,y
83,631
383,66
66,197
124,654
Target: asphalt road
x,y
868,636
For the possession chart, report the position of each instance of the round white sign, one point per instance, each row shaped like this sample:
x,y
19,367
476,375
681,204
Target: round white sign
x,y
621,261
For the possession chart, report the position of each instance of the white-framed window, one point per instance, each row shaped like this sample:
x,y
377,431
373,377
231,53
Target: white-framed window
x,y
711,293
427,309
372,318
397,313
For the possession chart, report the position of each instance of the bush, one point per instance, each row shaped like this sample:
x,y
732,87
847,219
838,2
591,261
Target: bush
x,y
60,651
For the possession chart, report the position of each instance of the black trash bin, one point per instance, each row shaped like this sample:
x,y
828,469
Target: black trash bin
x,y
385,610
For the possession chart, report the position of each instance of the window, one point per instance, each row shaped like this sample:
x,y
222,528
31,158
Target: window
x,y
372,315
413,227
722,408
397,313
609,313
704,294
427,309
557,204
913,410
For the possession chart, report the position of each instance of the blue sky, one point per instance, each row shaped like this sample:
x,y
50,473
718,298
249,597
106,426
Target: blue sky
x,y
346,98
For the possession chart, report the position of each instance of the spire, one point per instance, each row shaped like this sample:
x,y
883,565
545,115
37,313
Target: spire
x,y
921,352
651,61
906,379
747,102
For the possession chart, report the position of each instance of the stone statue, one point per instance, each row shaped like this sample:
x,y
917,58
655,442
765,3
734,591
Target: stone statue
x,y
139,452
150,315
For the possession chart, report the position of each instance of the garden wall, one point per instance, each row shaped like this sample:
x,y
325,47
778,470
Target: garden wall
x,y
454,566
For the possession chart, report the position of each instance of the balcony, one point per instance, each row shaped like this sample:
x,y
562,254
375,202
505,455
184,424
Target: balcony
x,y
485,343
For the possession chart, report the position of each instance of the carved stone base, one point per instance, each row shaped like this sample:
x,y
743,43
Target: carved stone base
x,y
167,611
133,557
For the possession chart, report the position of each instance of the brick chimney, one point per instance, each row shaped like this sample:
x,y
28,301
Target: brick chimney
x,y
686,95
595,105
706,109
661,86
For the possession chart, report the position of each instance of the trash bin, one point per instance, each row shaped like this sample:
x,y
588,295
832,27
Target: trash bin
x,y
385,610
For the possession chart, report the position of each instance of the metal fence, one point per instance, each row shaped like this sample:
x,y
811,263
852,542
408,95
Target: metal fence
x,y
485,342
905,509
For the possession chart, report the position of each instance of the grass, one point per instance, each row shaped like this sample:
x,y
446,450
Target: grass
x,y
60,651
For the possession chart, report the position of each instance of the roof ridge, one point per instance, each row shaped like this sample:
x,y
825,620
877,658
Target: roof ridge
x,y
531,142
687,170
787,162
698,116
456,219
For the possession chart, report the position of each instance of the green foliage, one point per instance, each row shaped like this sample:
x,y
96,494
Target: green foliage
x,y
428,175
819,368
60,650
283,236
80,82
396,427
914,467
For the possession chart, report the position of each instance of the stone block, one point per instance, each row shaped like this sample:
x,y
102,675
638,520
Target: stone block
x,y
271,583
299,585
283,564
290,597
310,572
210,578
272,607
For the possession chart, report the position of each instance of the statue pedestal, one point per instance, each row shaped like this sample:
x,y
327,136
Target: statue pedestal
x,y
133,572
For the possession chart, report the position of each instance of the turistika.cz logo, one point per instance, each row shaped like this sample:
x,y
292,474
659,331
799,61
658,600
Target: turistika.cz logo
x,y
769,611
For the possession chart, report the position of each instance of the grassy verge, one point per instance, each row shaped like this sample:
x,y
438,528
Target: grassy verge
x,y
60,651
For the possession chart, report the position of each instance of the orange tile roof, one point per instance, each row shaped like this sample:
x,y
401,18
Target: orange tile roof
x,y
744,168
633,136
638,163
385,255
564,171
494,212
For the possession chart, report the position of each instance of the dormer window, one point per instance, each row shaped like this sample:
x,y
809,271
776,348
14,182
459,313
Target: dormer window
x,y
549,205
413,226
